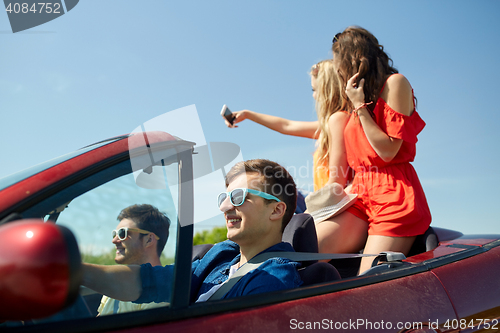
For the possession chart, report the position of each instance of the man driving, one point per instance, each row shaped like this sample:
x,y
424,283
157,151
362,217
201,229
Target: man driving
x,y
139,238
260,201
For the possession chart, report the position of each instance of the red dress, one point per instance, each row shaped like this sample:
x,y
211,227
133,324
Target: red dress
x,y
390,196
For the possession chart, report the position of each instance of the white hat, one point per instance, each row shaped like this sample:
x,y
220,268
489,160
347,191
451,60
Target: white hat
x,y
328,201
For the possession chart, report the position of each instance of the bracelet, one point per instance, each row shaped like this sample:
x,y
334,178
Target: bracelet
x,y
364,105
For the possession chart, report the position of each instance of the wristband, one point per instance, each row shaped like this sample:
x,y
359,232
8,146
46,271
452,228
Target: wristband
x,y
364,105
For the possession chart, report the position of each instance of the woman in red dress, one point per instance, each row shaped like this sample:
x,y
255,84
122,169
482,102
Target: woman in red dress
x,y
380,139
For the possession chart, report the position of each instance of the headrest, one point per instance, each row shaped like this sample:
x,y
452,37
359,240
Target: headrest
x,y
301,233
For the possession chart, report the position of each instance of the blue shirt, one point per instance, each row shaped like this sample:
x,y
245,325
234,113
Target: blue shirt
x,y
274,274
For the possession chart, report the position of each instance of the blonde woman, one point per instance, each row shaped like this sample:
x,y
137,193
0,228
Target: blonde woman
x,y
330,163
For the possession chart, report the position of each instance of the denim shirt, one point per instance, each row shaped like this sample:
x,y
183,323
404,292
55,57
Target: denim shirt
x,y
273,274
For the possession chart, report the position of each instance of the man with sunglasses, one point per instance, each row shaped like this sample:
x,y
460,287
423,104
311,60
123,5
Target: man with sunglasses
x,y
260,201
139,238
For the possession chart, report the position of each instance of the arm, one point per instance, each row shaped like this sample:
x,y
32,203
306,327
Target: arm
x,y
398,95
337,157
120,282
306,129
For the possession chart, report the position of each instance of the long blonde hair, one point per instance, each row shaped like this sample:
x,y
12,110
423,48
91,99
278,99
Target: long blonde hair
x,y
328,101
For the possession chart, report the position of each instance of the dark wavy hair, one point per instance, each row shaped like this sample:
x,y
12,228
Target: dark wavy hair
x,y
359,51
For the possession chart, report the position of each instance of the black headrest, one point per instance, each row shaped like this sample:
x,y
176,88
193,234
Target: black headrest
x,y
319,272
301,233
200,250
426,242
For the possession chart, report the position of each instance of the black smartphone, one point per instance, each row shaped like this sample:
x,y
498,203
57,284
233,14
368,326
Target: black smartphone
x,y
226,113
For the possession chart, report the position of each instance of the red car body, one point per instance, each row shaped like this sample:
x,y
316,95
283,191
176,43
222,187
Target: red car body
x,y
451,287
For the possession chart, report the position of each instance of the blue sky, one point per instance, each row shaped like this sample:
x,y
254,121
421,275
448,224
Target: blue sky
x,y
108,66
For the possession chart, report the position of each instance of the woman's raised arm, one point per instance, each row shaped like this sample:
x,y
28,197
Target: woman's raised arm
x,y
305,129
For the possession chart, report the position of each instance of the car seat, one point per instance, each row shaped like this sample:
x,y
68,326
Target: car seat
x,y
301,234
426,242
423,243
200,250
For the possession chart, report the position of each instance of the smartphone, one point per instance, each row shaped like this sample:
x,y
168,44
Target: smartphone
x,y
226,113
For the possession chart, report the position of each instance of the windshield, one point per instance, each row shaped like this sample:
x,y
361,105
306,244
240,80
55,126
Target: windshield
x,y
18,176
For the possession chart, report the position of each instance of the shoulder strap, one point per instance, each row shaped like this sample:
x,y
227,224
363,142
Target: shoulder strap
x,y
249,266
258,260
308,256
116,306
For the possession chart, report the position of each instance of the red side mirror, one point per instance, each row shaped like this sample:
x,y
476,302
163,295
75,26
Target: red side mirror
x,y
40,269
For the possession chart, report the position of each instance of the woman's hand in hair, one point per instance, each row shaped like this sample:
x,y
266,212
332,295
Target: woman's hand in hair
x,y
355,92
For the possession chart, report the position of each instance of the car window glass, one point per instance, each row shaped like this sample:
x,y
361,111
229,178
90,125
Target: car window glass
x,y
92,217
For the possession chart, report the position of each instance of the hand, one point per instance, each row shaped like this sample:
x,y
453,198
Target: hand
x,y
238,116
355,93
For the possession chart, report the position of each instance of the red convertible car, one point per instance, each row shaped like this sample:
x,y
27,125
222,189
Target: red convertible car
x,y
59,213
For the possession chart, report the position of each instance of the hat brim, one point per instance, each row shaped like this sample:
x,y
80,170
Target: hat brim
x,y
327,212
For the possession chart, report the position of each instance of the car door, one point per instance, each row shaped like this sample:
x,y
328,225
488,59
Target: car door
x,y
87,200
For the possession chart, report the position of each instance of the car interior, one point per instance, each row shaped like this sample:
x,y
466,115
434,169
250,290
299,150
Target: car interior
x,y
89,208
301,234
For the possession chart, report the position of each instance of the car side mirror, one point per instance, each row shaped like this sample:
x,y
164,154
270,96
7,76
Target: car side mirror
x,y
40,269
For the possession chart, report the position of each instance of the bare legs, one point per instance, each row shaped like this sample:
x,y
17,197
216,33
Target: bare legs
x,y
347,233
376,244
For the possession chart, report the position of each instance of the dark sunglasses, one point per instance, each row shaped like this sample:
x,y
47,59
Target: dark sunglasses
x,y
336,38
123,233
238,195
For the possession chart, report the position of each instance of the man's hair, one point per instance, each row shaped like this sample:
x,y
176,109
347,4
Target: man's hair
x,y
274,180
148,218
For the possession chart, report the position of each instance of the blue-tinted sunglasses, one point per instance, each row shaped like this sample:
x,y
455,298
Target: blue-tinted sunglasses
x,y
238,195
